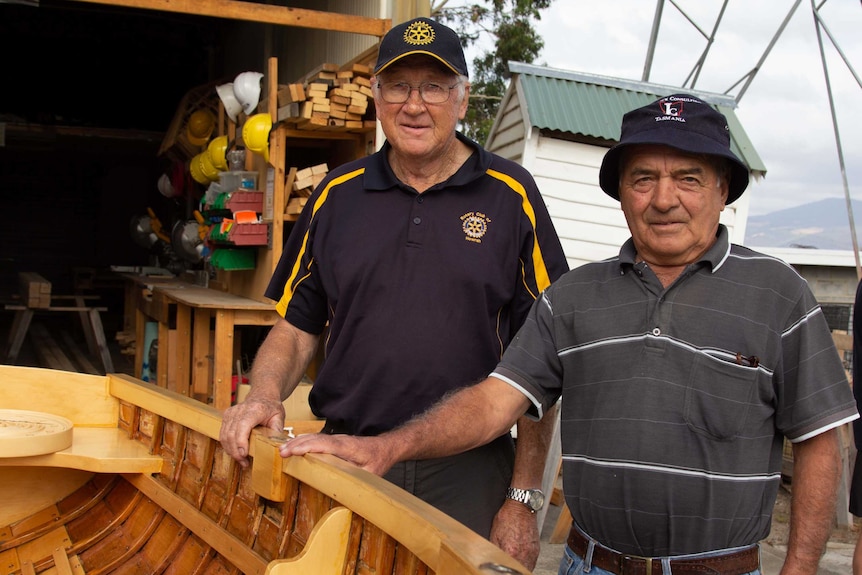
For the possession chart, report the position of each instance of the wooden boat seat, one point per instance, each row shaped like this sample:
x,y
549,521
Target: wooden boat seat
x,y
326,550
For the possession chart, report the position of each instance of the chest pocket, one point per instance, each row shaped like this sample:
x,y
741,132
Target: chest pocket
x,y
718,398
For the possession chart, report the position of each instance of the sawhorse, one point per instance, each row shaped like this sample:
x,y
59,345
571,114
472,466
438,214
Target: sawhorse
x,y
91,322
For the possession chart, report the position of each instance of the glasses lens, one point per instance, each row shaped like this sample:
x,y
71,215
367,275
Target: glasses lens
x,y
434,93
399,92
395,93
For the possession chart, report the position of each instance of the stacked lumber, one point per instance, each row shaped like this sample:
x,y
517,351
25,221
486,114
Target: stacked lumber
x,y
304,183
329,98
127,341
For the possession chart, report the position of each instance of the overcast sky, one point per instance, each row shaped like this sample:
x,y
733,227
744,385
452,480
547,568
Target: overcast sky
x,y
785,110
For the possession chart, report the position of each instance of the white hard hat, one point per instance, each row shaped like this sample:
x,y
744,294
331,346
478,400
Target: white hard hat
x,y
231,105
246,88
165,186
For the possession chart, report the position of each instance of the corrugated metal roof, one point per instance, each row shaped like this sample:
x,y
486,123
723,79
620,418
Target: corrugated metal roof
x,y
593,105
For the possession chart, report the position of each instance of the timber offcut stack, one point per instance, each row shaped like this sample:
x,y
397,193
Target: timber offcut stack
x,y
329,98
304,182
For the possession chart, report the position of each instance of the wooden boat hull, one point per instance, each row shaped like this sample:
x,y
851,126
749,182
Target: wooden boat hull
x,y
146,488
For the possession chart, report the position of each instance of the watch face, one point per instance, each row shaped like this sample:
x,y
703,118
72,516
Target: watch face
x,y
537,499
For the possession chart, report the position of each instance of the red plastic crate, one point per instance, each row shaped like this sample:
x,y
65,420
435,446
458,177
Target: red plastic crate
x,y
249,234
239,201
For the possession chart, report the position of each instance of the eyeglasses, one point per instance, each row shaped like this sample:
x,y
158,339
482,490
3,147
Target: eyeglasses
x,y
431,92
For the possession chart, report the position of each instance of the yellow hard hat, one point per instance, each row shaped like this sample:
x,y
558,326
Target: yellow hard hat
x,y
217,149
196,171
200,127
207,168
255,134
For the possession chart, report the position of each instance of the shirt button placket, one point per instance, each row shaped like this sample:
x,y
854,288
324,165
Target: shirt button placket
x,y
414,233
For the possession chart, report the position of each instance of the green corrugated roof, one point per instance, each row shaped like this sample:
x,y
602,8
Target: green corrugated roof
x,y
593,105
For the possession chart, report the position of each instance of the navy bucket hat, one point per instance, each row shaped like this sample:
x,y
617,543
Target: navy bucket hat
x,y
679,121
422,36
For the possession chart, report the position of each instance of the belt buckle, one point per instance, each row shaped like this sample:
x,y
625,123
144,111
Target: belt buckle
x,y
647,561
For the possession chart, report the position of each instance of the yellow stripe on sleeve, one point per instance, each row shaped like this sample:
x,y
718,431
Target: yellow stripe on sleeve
x,y
541,271
292,282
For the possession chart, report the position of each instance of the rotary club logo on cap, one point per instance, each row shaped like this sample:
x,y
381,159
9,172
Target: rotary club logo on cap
x,y
419,34
422,37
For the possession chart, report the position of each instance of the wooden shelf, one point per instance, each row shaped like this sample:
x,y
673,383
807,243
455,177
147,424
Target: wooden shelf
x,y
96,449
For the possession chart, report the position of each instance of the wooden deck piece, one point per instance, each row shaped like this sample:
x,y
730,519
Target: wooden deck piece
x,y
102,450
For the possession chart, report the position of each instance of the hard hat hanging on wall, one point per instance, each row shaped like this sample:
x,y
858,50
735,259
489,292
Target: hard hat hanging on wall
x,y
255,134
232,107
217,149
200,127
246,88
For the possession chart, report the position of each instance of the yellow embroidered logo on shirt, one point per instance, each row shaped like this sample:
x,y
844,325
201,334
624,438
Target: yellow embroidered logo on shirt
x,y
475,226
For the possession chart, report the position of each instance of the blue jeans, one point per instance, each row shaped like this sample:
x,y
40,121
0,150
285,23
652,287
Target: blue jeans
x,y
573,564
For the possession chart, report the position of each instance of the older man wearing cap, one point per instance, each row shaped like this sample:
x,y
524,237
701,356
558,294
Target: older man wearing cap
x,y
422,261
683,364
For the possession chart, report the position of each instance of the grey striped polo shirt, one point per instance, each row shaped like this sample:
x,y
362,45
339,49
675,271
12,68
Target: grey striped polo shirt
x,y
676,401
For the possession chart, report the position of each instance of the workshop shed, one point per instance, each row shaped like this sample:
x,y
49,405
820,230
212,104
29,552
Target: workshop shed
x,y
94,87
97,117
558,124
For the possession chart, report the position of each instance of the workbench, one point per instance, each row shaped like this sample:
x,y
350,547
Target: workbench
x,y
196,306
193,309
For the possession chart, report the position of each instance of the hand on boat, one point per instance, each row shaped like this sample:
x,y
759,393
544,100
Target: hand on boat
x,y
369,453
239,420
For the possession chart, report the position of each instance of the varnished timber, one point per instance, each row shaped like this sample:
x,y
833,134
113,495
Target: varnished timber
x,y
189,508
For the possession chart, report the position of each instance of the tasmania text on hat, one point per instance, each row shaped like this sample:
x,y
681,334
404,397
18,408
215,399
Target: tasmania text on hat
x,y
680,121
422,36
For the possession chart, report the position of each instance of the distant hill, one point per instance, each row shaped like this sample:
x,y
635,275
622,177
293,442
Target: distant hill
x,y
820,225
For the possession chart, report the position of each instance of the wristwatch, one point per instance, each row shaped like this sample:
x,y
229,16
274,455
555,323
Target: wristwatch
x,y
533,499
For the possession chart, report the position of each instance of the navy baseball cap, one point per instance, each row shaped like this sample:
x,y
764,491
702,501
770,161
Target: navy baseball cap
x,y
679,121
422,36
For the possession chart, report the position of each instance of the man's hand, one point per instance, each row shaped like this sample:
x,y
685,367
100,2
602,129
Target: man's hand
x,y
369,453
239,420
280,362
515,530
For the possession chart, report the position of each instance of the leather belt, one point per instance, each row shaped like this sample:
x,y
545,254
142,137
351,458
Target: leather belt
x,y
737,563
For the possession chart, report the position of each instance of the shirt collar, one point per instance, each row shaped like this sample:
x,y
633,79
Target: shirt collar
x,y
715,256
379,175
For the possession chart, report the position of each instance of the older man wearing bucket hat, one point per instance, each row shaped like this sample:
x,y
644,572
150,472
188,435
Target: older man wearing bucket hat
x,y
421,261
683,364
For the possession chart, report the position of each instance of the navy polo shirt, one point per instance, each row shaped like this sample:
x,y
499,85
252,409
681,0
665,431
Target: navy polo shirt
x,y
421,292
